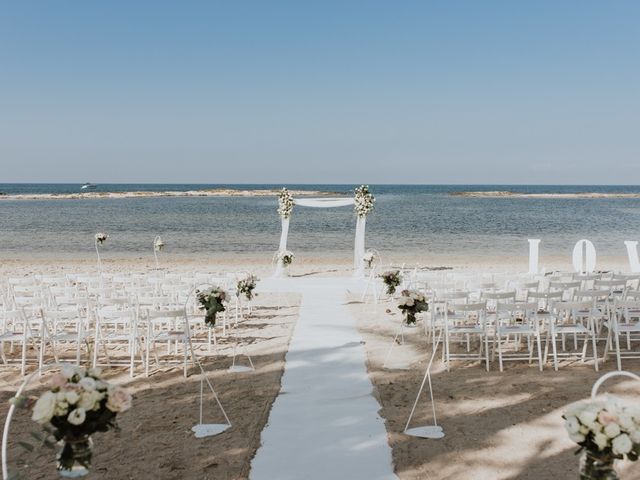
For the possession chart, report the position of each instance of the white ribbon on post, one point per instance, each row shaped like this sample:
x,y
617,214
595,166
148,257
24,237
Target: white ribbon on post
x,y
534,255
358,251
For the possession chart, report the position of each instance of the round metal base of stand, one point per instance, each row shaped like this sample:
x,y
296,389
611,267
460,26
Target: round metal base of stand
x,y
240,369
203,430
429,431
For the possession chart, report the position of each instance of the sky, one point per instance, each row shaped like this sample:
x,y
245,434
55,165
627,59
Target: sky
x,y
427,92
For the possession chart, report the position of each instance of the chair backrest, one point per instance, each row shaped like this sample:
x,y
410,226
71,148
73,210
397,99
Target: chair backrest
x,y
572,308
626,305
453,297
609,284
500,296
468,307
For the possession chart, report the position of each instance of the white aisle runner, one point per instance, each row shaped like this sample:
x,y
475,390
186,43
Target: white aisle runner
x,y
324,424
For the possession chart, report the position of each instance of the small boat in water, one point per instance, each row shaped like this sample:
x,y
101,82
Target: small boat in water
x,y
88,186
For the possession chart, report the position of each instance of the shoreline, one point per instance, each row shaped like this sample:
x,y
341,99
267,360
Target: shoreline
x,y
216,192
509,194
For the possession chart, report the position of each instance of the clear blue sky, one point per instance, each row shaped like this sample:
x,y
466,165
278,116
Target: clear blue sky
x,y
476,91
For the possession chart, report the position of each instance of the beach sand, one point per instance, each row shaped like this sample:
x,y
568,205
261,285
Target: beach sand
x,y
155,440
497,426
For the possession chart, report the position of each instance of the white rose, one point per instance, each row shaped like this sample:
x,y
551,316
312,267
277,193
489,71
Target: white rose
x,y
626,422
68,371
588,417
95,372
409,302
87,383
89,400
61,408
572,425
622,444
44,408
635,435
71,396
601,440
77,416
612,430
577,437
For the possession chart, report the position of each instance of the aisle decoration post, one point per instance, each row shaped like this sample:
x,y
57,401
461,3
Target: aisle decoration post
x,y
285,209
246,286
99,239
79,404
158,246
412,302
363,205
212,302
606,430
392,279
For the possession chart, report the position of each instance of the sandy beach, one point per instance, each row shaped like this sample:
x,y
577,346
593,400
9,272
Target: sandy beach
x,y
483,414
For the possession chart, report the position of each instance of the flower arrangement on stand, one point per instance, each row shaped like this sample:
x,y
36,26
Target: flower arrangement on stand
x,y
246,286
285,203
392,279
158,244
369,257
78,405
101,238
364,200
285,258
212,302
412,302
606,431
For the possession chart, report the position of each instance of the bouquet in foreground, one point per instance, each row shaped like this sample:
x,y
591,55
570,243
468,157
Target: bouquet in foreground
x,y
246,286
212,302
78,405
392,279
412,302
606,431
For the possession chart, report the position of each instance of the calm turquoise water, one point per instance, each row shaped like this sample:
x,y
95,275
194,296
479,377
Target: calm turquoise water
x,y
422,219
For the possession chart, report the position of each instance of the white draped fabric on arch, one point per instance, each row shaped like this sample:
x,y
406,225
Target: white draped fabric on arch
x,y
358,253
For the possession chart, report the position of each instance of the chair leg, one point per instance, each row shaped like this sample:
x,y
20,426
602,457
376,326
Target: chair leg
x,y
539,351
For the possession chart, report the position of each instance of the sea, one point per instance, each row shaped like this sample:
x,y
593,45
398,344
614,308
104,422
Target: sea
x,y
420,220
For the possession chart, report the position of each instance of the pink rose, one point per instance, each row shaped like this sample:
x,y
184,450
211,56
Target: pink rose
x,y
58,380
119,400
605,418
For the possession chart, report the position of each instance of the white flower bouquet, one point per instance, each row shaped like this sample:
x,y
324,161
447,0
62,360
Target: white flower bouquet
x,y
392,279
364,201
605,430
212,301
285,258
78,404
101,237
246,286
285,203
412,302
369,257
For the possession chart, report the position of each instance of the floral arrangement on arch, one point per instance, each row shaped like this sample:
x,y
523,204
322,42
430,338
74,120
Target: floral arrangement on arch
x,y
285,203
285,257
392,279
606,431
246,286
101,237
364,201
78,404
369,257
212,302
412,302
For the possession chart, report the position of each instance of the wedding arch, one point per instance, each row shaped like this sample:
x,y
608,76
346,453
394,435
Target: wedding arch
x,y
362,201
